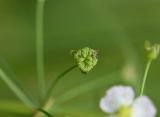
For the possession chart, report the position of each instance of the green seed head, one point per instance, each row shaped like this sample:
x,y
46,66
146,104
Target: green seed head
x,y
86,58
152,50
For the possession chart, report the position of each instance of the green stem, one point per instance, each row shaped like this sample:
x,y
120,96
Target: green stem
x,y
40,51
45,112
145,76
17,90
58,79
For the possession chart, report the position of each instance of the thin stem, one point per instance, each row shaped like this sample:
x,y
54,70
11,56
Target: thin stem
x,y
45,112
40,51
145,76
58,79
17,90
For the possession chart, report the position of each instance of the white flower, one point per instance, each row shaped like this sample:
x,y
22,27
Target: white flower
x,y
116,97
143,107
119,101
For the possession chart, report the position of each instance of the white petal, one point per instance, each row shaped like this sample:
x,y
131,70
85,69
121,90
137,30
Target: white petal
x,y
143,107
116,97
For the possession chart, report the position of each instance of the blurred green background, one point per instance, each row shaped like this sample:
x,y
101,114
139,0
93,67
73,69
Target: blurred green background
x,y
117,28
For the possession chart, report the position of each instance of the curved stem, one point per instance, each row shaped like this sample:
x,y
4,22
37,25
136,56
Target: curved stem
x,y
17,90
58,79
39,42
45,112
145,76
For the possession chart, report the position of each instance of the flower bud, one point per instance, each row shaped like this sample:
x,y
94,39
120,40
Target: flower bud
x,y
152,50
86,58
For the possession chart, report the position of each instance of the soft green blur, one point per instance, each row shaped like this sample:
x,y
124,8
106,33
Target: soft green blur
x,y
116,28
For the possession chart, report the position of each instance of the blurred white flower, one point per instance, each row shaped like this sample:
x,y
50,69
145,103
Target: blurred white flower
x,y
119,101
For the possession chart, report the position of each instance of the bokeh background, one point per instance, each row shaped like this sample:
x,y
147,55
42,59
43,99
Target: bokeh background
x,y
117,28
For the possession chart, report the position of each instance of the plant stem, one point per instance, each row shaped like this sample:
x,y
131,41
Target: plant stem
x,y
145,76
40,51
45,109
45,112
17,90
58,79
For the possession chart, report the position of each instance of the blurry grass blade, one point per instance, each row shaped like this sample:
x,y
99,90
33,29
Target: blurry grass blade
x,y
39,42
91,85
17,89
13,107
